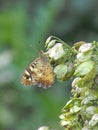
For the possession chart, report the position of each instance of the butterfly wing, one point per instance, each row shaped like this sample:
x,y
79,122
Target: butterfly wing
x,y
39,72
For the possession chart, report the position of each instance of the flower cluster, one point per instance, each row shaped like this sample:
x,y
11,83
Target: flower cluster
x,y
81,111
60,53
80,62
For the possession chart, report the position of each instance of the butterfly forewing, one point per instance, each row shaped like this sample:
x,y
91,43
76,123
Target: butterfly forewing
x,y
39,72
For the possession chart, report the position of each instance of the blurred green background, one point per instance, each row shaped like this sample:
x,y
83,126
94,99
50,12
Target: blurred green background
x,y
24,27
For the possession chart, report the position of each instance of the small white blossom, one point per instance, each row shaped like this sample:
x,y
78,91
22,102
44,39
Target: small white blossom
x,y
94,120
90,111
85,47
56,52
82,57
62,116
64,123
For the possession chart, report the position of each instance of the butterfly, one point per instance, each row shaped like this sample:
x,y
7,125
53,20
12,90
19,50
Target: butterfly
x,y
39,72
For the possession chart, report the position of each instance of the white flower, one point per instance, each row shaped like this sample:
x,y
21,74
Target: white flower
x,y
83,57
56,52
85,47
62,116
64,123
94,120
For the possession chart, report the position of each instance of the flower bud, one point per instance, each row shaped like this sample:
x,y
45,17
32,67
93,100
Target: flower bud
x,y
48,40
90,111
84,68
83,57
60,71
85,47
94,120
51,44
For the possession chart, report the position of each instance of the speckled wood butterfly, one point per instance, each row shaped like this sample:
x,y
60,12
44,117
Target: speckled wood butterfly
x,y
39,72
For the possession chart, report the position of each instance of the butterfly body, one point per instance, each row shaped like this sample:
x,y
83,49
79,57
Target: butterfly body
x,y
39,72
